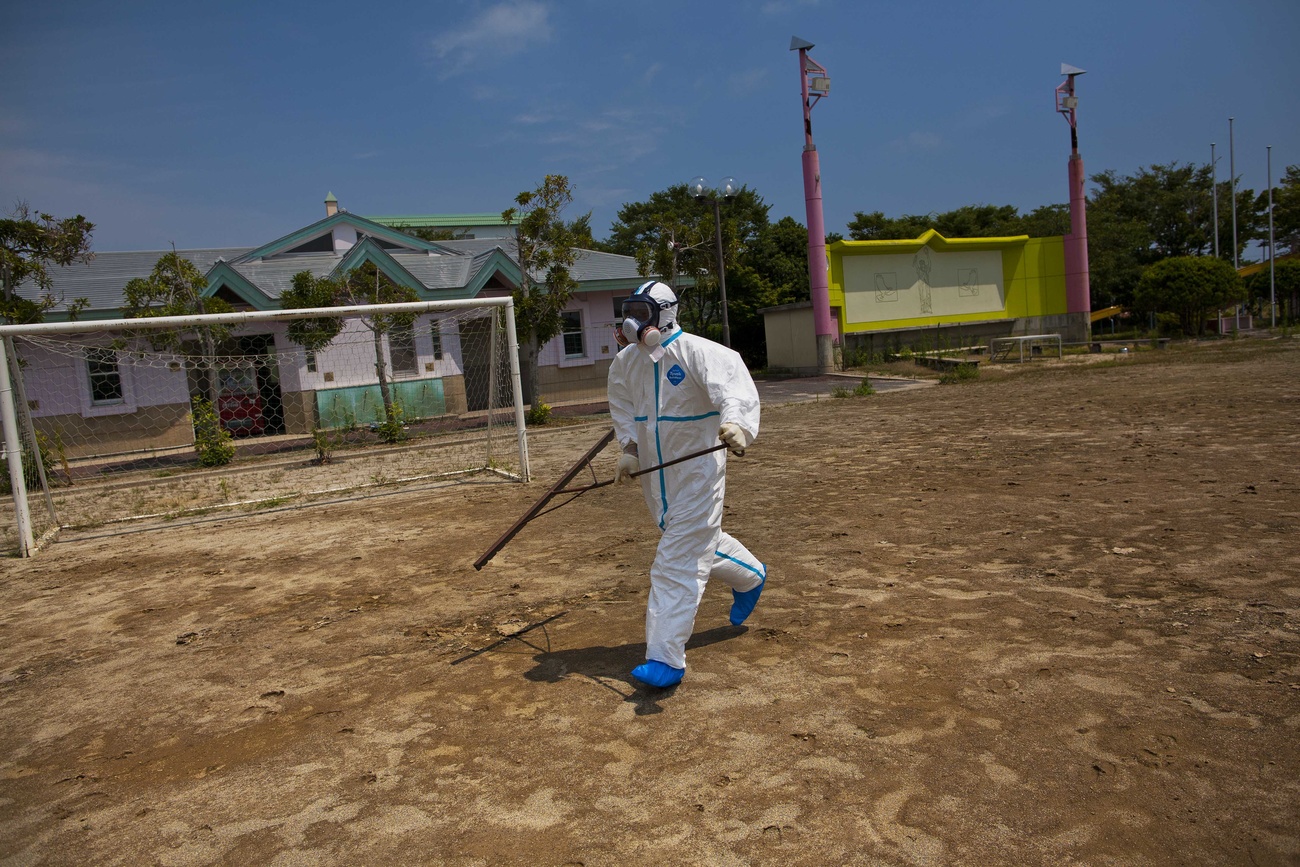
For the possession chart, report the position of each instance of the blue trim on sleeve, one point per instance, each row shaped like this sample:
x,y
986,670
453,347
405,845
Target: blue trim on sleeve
x,y
686,417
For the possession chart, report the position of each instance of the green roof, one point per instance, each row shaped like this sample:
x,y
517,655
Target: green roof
x,y
440,220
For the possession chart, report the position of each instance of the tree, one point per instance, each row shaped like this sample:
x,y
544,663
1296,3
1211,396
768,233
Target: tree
x,y
673,238
1286,212
1046,221
1191,287
29,244
968,221
546,250
365,284
1282,286
175,288
772,270
1160,212
667,234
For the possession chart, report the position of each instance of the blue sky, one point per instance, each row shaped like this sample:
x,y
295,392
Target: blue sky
x,y
225,124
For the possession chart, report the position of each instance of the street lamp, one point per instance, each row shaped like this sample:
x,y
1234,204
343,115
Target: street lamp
x,y
703,193
1078,292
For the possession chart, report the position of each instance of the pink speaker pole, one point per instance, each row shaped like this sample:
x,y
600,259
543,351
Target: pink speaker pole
x,y
1077,291
814,83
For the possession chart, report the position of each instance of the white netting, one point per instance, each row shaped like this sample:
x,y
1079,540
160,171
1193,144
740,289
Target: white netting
x,y
164,424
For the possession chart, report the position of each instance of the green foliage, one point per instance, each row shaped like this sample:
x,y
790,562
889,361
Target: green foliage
x,y
673,237
392,429
968,221
309,291
1286,211
32,479
539,414
862,389
1193,287
433,235
29,244
1160,212
212,443
546,252
546,249
1283,285
365,284
174,288
960,373
325,444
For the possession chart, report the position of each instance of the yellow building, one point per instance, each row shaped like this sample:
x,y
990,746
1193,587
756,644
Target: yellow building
x,y
931,291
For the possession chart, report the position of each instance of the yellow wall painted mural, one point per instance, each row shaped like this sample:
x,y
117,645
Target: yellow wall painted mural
x,y
879,285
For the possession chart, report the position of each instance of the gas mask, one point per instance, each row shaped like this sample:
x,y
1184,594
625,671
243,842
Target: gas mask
x,y
649,315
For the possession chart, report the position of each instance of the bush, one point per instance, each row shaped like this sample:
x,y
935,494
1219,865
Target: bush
x,y
31,479
862,389
392,429
538,414
324,444
212,443
960,373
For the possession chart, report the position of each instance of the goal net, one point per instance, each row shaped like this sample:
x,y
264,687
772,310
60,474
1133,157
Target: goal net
x,y
113,423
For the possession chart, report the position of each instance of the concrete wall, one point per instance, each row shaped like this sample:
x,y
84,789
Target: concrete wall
x,y
587,384
791,337
158,427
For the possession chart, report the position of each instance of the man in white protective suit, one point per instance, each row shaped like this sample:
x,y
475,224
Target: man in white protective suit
x,y
671,394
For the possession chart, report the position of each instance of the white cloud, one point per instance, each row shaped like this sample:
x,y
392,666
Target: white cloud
x,y
601,141
746,81
780,7
918,140
503,29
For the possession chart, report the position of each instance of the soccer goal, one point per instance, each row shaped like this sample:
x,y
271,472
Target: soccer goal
x,y
119,422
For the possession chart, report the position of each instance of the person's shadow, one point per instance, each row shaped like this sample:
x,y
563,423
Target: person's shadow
x,y
609,666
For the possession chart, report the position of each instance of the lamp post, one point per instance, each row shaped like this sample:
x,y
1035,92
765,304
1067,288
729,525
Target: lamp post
x,y
1214,191
1272,278
1078,293
815,83
704,194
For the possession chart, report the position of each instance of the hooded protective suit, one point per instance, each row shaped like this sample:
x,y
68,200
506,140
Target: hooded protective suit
x,y
671,401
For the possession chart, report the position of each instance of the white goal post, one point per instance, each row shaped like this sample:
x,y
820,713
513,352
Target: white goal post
x,y
110,421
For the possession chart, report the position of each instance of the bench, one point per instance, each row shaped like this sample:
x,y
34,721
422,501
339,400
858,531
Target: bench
x,y
1003,348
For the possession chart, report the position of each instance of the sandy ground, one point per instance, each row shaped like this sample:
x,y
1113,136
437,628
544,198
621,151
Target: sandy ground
x,y
1041,618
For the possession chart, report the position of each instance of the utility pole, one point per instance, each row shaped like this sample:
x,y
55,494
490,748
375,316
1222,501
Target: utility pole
x,y
1272,277
1232,170
813,79
1214,192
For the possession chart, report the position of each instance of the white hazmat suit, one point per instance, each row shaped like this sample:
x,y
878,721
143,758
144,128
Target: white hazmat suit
x,y
670,400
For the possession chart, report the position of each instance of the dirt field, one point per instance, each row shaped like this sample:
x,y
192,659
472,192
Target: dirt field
x,y
1047,617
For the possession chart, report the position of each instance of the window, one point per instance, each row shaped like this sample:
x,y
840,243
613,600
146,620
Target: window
x,y
572,332
401,345
435,332
105,377
311,361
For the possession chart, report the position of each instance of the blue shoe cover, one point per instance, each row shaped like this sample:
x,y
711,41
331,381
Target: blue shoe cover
x,y
744,603
658,674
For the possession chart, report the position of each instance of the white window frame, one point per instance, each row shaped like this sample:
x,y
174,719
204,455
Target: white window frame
x,y
582,336
91,409
414,351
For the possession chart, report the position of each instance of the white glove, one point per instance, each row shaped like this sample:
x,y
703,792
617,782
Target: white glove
x,y
735,437
628,463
